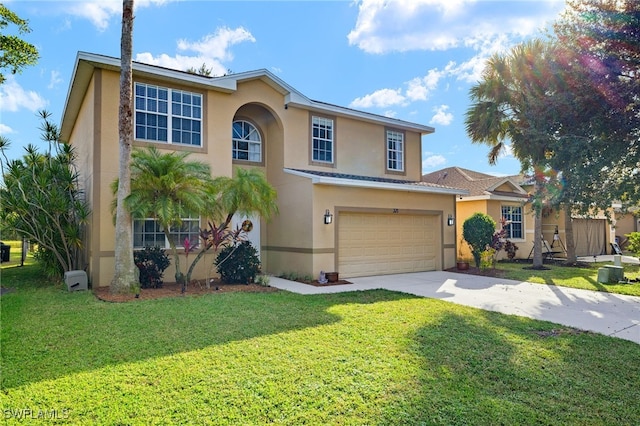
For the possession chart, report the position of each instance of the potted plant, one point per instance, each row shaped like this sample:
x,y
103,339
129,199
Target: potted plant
x,y
462,264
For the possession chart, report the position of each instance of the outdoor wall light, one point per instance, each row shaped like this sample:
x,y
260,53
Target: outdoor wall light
x,y
450,220
328,217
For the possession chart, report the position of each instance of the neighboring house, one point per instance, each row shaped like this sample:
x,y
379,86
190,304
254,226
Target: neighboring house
x,y
507,197
348,182
626,223
498,197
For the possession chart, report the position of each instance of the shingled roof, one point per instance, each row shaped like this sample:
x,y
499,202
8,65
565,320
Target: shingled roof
x,y
478,184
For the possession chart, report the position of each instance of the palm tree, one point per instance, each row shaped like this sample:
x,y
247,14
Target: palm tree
x,y
509,104
248,192
168,188
124,280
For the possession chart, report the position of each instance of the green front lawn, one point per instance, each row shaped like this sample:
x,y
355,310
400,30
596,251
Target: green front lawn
x,y
374,357
583,277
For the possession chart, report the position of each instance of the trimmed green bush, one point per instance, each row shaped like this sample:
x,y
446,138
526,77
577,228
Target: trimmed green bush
x,y
478,233
238,263
634,243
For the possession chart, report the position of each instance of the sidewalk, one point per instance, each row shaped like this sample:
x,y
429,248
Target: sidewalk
x,y
610,314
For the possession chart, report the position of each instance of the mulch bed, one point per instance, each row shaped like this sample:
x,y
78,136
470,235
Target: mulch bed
x,y
491,272
316,283
195,289
175,290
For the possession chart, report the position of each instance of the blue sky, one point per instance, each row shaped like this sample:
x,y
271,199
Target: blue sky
x,y
409,59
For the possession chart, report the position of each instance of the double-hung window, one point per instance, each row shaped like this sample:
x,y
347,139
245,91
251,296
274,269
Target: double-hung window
x,y
167,115
513,217
247,144
395,151
322,139
148,232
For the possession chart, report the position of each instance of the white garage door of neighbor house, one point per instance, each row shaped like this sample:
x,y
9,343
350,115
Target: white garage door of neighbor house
x,y
378,244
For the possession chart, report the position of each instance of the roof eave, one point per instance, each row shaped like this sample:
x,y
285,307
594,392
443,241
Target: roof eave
x,y
353,183
305,103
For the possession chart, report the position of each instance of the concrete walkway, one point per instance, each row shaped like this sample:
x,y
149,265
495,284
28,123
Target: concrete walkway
x,y
610,314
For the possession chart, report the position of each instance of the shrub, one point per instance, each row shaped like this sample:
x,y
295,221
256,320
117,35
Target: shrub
x,y
151,261
634,243
511,249
238,263
478,233
263,280
487,258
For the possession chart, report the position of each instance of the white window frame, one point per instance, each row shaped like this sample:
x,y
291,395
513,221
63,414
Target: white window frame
x,y
322,139
169,110
395,148
194,234
507,213
254,147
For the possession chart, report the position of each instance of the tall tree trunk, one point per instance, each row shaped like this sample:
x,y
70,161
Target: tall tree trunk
x,y
125,279
537,227
570,243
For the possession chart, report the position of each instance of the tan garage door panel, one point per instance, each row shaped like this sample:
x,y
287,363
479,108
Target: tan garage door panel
x,y
376,244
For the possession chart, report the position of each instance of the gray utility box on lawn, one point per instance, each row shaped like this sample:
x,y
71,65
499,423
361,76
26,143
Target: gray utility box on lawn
x,y
616,273
76,280
603,275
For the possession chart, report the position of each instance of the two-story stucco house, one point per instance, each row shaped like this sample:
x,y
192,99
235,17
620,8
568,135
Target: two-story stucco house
x,y
348,182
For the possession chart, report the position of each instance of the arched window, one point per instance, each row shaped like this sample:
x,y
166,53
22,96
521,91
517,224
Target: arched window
x,y
247,144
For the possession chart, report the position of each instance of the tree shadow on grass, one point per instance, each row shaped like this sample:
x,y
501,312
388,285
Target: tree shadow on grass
x,y
502,369
49,333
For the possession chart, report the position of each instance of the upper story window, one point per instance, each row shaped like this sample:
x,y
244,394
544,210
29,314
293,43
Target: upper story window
x,y
513,216
247,144
395,151
168,115
322,142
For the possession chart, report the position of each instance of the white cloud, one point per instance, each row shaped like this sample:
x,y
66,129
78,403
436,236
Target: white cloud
x,y
380,98
441,117
212,50
54,80
13,97
420,88
217,45
100,12
404,25
390,113
5,130
432,161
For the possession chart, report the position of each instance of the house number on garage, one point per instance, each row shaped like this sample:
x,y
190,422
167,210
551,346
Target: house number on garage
x,y
396,211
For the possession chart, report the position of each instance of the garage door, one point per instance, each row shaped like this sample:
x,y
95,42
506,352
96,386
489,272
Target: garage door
x,y
589,236
377,244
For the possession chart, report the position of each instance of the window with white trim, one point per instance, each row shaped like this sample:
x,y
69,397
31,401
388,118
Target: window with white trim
x,y
148,232
395,151
513,217
322,139
167,115
247,144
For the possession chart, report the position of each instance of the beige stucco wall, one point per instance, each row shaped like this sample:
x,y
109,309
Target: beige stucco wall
x,y
308,252
493,208
81,139
625,224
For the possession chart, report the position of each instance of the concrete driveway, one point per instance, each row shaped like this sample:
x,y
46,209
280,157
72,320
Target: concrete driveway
x,y
610,314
